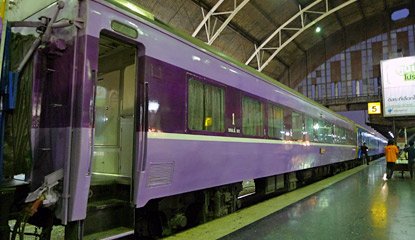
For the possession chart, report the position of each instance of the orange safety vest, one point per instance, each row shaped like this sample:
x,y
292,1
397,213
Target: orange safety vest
x,y
391,152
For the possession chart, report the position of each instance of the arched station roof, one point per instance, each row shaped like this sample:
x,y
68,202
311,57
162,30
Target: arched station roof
x,y
278,37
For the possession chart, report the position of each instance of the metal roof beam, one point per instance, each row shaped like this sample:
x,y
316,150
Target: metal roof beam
x,y
211,32
272,22
284,27
206,17
231,25
237,28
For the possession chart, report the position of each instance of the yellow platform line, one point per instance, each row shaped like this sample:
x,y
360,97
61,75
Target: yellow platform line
x,y
223,226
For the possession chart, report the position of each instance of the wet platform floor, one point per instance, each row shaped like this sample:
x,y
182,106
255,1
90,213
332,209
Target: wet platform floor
x,y
357,204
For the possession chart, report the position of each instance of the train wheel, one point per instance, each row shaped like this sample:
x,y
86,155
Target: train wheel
x,y
147,222
193,215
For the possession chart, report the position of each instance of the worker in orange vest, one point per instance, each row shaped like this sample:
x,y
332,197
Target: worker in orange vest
x,y
391,155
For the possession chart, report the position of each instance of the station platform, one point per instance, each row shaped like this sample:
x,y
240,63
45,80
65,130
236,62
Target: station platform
x,y
356,204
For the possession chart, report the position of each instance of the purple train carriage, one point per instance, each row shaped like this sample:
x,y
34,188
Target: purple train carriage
x,y
132,118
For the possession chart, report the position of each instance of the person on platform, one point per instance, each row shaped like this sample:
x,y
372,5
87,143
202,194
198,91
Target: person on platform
x,y
411,157
364,150
391,155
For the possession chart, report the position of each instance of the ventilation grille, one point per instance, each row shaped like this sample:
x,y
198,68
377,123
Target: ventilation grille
x,y
160,174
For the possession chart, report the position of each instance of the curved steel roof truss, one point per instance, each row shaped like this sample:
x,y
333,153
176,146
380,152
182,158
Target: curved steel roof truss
x,y
211,32
259,51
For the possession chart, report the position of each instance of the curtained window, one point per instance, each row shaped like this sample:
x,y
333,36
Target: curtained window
x,y
351,137
309,128
329,132
252,117
341,135
205,107
297,126
275,122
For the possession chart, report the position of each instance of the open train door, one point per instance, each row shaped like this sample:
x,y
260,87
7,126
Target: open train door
x,y
111,189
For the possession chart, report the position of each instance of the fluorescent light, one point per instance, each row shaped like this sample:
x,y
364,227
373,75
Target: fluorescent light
x,y
318,29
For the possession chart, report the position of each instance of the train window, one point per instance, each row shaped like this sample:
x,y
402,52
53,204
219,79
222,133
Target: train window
x,y
124,29
205,107
297,126
252,117
349,136
288,124
309,128
345,136
340,135
329,132
319,130
352,137
334,136
324,131
275,122
316,129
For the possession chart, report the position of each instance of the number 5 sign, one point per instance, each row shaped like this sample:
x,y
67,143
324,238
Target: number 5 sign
x,y
374,108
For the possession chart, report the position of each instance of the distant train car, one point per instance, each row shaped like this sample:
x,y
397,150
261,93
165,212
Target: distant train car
x,y
161,130
373,140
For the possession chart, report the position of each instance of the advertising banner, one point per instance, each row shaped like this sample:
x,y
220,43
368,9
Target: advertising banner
x,y
398,86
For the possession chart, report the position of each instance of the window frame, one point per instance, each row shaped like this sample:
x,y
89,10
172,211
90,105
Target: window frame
x,y
270,105
263,109
210,83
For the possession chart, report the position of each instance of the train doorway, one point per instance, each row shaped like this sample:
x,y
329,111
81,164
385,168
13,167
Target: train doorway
x,y
113,153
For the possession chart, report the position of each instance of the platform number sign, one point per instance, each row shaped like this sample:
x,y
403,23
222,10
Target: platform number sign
x,y
374,108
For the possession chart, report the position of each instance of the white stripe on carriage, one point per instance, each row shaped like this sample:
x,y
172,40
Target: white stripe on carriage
x,y
196,137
